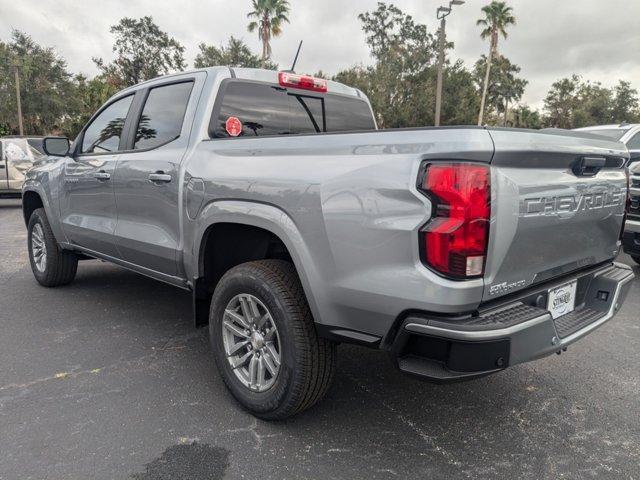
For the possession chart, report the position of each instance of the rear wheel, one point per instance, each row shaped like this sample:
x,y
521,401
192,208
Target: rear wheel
x,y
51,265
265,343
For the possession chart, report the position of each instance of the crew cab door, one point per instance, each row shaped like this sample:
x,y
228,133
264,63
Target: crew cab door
x,y
147,181
87,202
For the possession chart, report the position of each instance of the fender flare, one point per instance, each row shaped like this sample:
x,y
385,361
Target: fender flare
x,y
267,217
54,221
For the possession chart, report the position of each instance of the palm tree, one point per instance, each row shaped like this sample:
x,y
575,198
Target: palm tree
x,y
269,16
497,18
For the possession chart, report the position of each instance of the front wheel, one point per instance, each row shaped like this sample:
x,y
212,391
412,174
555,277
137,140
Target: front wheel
x,y
265,343
51,265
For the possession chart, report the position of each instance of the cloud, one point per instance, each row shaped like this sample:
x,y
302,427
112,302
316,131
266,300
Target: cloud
x,y
597,39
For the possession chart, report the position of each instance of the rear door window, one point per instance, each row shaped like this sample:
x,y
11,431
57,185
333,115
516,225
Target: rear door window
x,y
163,115
267,110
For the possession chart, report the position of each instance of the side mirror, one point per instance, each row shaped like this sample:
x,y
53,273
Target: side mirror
x,y
56,146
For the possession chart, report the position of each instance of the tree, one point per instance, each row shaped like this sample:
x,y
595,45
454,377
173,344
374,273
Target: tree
x,y
561,101
401,83
574,103
495,22
269,16
460,100
524,117
143,51
90,95
626,107
235,54
504,86
46,87
593,105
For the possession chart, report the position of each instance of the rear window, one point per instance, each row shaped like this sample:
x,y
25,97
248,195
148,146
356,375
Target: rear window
x,y
267,110
615,133
162,116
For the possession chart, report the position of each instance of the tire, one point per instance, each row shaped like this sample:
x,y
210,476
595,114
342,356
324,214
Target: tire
x,y
636,259
60,266
307,362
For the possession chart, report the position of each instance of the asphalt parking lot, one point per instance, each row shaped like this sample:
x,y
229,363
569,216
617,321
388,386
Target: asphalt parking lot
x,y
106,378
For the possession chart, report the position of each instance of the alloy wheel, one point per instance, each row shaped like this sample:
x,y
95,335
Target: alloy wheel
x,y
251,342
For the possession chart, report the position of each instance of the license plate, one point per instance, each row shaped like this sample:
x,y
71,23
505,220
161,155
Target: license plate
x,y
562,300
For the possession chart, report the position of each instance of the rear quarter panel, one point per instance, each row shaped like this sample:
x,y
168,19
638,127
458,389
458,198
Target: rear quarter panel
x,y
350,212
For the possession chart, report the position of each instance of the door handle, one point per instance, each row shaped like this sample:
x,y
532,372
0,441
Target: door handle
x,y
160,177
588,166
102,175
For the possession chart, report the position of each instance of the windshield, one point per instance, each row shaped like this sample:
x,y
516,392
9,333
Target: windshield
x,y
615,133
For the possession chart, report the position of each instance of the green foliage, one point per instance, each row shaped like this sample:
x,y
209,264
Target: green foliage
x,y
401,84
626,105
268,16
460,99
46,88
143,51
504,87
524,117
235,54
90,95
497,17
574,103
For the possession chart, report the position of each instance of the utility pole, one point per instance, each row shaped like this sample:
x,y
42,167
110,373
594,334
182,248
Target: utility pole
x,y
17,78
442,14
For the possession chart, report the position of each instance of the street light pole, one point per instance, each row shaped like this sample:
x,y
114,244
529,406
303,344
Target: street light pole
x,y
17,79
442,14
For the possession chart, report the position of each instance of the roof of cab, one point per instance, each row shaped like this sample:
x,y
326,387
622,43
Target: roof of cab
x,y
617,126
257,74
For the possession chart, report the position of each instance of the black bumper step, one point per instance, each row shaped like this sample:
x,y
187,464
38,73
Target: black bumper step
x,y
576,320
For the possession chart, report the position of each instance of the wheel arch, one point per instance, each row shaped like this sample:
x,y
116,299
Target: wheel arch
x,y
273,235
31,201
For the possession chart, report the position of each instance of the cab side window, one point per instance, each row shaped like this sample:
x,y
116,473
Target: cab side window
x,y
163,115
103,134
634,143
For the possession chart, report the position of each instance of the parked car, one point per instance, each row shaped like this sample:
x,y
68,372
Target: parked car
x,y
629,134
17,156
297,226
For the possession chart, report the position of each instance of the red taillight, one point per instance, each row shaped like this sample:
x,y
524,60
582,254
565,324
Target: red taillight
x,y
455,239
304,82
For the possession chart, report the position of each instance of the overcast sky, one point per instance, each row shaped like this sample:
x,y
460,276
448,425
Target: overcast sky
x,y
598,39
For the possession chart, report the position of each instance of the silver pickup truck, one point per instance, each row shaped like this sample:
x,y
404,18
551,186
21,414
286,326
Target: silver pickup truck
x,y
297,226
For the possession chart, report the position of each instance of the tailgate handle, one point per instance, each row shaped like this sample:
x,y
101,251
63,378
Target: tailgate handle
x,y
588,166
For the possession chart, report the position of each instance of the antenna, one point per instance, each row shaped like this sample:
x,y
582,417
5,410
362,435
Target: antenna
x,y
296,59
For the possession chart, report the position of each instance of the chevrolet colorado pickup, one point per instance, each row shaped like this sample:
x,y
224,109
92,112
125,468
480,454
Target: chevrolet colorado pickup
x,y
297,226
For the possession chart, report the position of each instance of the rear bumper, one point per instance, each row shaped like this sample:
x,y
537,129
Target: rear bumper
x,y
518,331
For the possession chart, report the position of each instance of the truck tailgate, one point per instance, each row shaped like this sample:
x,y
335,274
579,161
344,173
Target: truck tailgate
x,y
557,205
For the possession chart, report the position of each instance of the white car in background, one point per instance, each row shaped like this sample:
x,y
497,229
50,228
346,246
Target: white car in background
x,y
627,133
17,156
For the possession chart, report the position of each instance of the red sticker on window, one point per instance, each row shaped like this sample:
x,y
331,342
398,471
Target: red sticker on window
x,y
233,126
